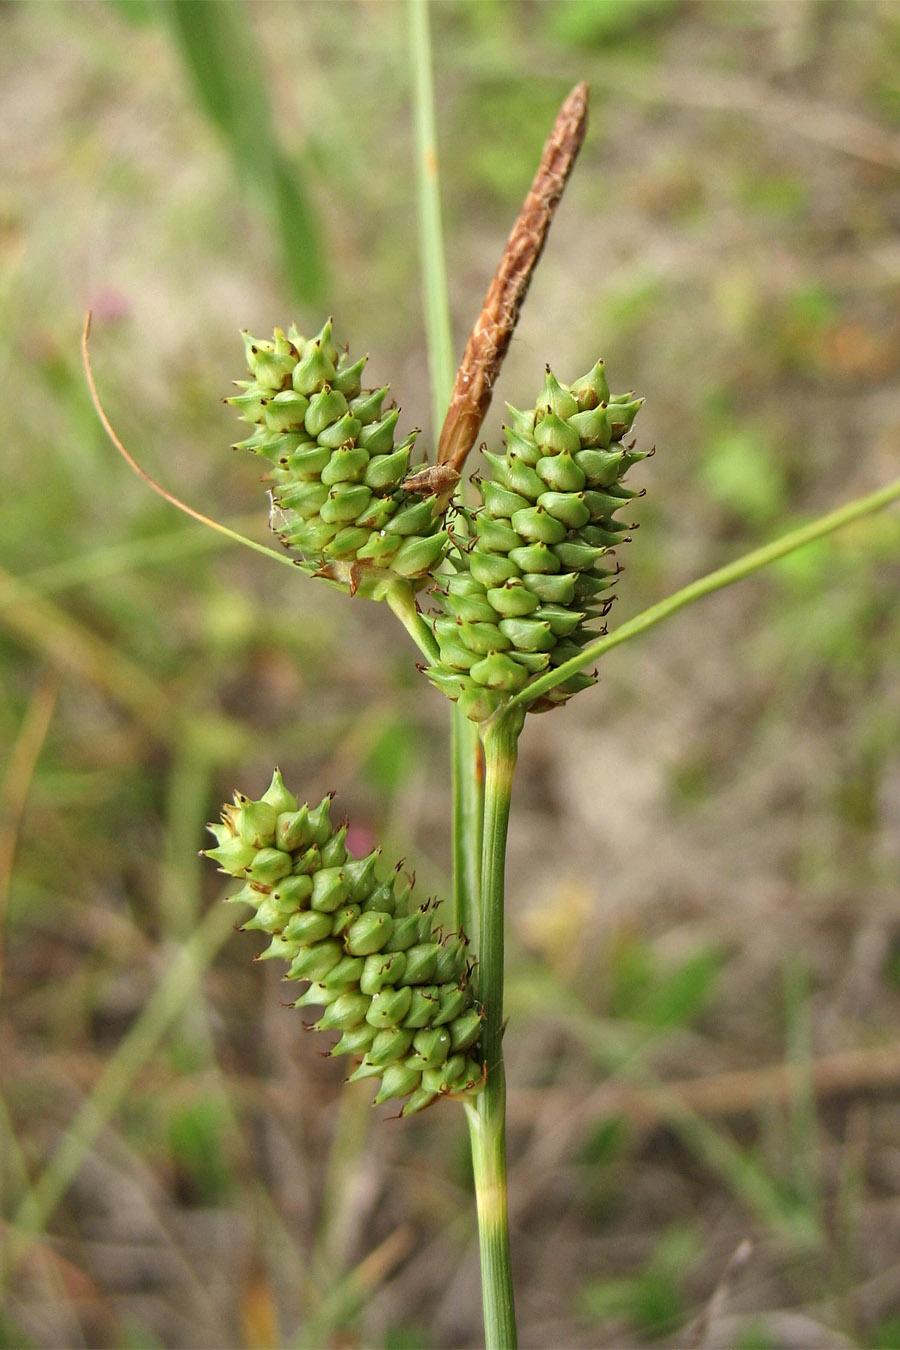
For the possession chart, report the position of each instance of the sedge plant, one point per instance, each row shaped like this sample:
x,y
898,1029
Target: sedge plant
x,y
502,598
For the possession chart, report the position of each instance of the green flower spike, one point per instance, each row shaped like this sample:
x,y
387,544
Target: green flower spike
x,y
531,576
399,994
343,496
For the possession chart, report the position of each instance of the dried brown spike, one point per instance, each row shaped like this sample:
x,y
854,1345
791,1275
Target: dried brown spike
x,y
490,338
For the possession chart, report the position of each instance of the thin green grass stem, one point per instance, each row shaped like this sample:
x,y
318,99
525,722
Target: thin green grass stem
x,y
176,988
714,581
428,203
402,601
487,1114
468,816
468,794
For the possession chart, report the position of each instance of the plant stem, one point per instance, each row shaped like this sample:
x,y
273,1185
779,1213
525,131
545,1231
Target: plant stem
x,y
713,581
487,1114
468,822
402,600
428,201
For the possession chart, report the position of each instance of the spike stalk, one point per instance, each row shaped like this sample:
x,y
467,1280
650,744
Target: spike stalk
x,y
742,567
487,1114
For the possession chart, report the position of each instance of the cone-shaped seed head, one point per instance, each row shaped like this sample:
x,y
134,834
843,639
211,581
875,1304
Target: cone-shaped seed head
x,y
534,573
398,993
338,476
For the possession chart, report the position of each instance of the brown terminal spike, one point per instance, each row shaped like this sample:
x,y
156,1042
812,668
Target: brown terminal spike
x,y
490,338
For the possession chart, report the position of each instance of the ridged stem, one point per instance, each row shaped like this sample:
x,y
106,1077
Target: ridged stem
x,y
487,1114
468,802
713,581
402,600
468,821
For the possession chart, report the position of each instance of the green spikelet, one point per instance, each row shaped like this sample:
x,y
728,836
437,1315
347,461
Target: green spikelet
x,y
339,497
398,993
535,572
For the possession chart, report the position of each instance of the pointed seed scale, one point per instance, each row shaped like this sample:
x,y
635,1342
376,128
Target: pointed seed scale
x,y
524,447
499,671
417,556
348,1010
389,1007
622,415
380,970
397,1081
492,569
521,420
378,437
421,960
380,548
342,918
513,598
454,1000
423,1004
369,933
457,655
365,1069
555,399
348,379
475,608
465,1030
286,411
390,1044
387,470
329,890
536,525
560,473
431,1046
367,404
233,856
257,822
405,934
553,435
356,1041
593,427
443,1078
333,852
307,927
306,498
347,464
294,890
277,795
269,865
561,619
498,536
556,588
381,896
568,507
528,635
313,370
592,388
412,519
575,556
451,961
345,975
501,501
314,963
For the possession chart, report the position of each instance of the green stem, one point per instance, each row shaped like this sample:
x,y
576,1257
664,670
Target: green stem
x,y
487,1114
468,796
714,581
401,598
428,201
468,822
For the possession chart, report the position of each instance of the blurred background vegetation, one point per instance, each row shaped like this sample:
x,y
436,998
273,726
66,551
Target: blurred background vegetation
x,y
704,1037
